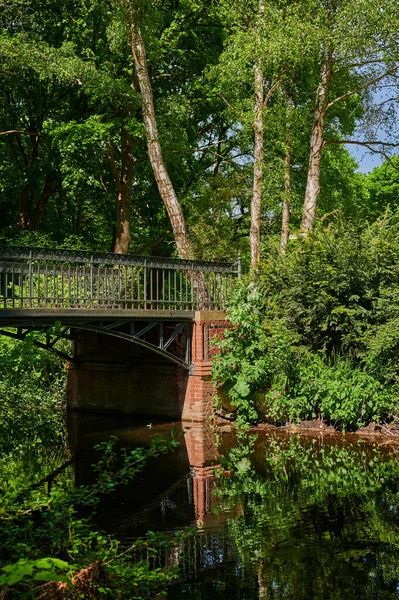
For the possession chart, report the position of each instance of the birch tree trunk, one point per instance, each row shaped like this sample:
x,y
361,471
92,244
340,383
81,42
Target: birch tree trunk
x,y
285,221
256,202
162,178
263,583
316,144
124,198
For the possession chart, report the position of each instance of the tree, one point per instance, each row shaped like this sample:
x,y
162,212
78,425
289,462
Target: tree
x,y
357,53
98,96
164,183
267,47
382,186
45,79
216,95
286,213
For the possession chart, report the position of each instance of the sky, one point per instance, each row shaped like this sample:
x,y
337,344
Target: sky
x,y
366,160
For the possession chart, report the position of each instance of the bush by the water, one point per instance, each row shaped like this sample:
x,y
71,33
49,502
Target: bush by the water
x,y
51,547
317,330
50,544
32,396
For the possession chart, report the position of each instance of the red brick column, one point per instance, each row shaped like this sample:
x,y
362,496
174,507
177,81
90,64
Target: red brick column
x,y
200,389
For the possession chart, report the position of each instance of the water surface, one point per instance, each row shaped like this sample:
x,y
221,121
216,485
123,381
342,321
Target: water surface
x,y
285,517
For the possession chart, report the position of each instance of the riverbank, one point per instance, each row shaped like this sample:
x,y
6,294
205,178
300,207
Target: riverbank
x,y
380,433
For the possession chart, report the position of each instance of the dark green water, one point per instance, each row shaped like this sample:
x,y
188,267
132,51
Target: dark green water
x,y
287,518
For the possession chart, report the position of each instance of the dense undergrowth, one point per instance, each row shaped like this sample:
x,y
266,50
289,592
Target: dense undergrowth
x,y
317,330
32,391
50,545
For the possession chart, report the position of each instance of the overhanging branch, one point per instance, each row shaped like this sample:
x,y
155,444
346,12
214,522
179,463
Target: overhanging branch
x,y
369,145
362,87
22,132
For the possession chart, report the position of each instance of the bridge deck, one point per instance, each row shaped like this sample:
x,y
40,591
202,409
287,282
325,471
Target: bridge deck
x,y
11,316
14,317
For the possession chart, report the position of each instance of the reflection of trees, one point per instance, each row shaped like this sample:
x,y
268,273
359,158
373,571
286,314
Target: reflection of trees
x,y
317,523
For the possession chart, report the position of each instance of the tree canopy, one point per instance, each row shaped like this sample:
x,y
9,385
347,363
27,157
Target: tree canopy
x,y
190,127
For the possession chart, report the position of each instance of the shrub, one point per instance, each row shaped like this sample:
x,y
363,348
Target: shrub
x,y
32,396
317,330
253,354
341,394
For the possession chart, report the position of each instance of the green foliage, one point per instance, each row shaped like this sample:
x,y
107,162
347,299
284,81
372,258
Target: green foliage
x,y
315,330
42,569
253,353
343,395
303,512
342,187
382,186
310,517
32,391
60,528
67,78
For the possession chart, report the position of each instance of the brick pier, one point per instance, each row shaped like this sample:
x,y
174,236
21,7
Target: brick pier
x,y
200,389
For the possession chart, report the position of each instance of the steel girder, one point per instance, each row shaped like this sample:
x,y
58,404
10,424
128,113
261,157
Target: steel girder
x,y
161,337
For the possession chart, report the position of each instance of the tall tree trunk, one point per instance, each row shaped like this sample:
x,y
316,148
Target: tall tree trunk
x,y
256,202
263,583
25,200
49,188
285,221
124,182
317,144
31,216
26,196
162,178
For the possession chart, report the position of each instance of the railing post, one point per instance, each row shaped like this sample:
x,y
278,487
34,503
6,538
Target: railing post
x,y
13,286
30,276
91,282
5,283
145,284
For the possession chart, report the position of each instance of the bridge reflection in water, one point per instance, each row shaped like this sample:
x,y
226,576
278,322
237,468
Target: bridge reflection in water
x,y
173,492
304,519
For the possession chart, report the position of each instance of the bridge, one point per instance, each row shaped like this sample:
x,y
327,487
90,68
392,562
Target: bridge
x,y
120,312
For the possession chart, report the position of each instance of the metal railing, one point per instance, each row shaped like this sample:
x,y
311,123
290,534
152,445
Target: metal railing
x,y
57,278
